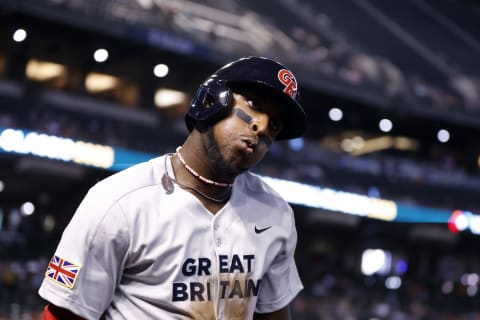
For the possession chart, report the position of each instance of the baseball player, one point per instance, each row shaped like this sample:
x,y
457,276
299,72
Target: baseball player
x,y
192,234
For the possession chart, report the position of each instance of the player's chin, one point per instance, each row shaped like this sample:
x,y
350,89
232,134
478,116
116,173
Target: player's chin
x,y
247,161
242,158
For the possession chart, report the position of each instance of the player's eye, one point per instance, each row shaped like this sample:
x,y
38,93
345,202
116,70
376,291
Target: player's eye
x,y
274,126
252,104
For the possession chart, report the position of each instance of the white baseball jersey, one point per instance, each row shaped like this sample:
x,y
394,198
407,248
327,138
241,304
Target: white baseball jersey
x,y
132,251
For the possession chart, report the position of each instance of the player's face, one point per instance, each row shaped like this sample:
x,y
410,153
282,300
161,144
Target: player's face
x,y
242,139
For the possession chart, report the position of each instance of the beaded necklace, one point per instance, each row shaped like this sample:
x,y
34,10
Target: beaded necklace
x,y
168,181
198,176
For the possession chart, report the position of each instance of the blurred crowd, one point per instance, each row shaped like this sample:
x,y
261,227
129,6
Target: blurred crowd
x,y
306,38
19,282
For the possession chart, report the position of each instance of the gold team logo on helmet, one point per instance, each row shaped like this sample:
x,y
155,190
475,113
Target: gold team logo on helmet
x,y
287,78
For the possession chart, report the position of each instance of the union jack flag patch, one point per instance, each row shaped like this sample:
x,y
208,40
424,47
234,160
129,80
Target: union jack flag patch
x,y
62,272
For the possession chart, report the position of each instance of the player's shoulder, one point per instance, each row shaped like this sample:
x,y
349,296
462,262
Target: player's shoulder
x,y
256,186
136,177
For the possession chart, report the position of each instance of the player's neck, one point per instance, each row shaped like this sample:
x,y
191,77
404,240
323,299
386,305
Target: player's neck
x,y
197,175
196,156
212,196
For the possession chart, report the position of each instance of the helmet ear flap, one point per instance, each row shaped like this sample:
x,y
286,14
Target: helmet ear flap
x,y
210,104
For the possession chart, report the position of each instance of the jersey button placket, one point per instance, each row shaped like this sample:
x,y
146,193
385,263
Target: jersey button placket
x,y
219,248
216,234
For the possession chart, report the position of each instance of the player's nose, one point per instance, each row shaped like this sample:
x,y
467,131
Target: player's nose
x,y
259,124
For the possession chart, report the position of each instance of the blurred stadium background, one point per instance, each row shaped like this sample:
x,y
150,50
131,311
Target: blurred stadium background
x,y
385,184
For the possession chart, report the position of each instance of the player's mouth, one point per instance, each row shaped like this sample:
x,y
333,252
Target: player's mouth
x,y
249,145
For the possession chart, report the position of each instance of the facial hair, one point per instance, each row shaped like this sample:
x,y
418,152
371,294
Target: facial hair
x,y
228,169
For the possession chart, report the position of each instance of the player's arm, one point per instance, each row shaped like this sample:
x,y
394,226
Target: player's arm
x,y
52,312
282,314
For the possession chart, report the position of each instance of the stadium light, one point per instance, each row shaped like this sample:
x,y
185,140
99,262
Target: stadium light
x,y
160,70
100,55
469,279
165,98
28,208
38,70
475,224
472,291
352,145
393,282
458,221
443,135
335,114
385,125
19,35
99,82
376,261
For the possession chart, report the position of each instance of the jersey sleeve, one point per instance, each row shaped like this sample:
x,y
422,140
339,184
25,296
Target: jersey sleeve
x,y
281,283
86,266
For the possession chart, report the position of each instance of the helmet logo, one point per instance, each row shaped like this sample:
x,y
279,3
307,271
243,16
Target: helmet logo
x,y
287,78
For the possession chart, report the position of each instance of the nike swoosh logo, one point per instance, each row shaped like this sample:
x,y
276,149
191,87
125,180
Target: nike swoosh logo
x,y
261,230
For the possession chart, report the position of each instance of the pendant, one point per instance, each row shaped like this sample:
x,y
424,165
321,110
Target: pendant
x,y
167,184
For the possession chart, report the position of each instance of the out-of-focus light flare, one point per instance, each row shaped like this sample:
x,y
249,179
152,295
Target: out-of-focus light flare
x,y
461,220
2,186
27,208
160,70
43,70
100,55
355,143
443,135
335,114
296,144
475,224
385,125
472,291
330,199
166,98
404,143
48,223
99,82
53,147
381,309
469,279
19,35
447,287
393,282
375,261
401,266
458,221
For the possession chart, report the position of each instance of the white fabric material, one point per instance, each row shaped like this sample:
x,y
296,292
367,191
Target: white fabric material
x,y
146,254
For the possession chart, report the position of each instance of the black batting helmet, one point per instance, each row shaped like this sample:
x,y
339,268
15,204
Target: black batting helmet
x,y
213,99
